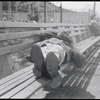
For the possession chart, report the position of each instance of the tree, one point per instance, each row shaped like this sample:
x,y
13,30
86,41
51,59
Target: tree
x,y
5,5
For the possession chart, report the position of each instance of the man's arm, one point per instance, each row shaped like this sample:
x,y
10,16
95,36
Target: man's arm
x,y
47,35
95,26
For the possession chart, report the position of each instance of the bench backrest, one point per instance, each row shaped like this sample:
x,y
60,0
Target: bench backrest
x,y
78,32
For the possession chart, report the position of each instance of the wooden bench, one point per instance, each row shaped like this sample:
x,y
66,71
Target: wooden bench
x,y
22,84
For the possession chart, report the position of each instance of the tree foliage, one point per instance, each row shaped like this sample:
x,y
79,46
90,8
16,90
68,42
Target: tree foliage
x,y
22,6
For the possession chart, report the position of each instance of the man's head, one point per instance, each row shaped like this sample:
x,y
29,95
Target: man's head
x,y
64,36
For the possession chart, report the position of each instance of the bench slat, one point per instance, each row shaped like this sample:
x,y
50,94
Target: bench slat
x,y
83,42
85,83
93,42
31,88
7,24
3,86
14,48
82,83
16,74
11,86
15,35
88,44
19,88
82,45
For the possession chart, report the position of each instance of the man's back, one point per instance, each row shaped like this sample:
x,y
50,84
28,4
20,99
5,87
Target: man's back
x,y
95,28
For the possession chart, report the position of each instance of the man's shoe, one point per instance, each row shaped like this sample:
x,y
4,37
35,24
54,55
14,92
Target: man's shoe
x,y
55,82
52,64
36,57
29,59
37,73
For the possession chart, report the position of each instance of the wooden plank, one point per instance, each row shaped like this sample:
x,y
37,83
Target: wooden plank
x,y
14,48
5,24
72,80
83,42
93,42
15,35
83,36
80,46
1,24
77,33
78,39
68,78
25,93
3,86
15,84
82,75
16,74
19,88
26,25
84,68
87,77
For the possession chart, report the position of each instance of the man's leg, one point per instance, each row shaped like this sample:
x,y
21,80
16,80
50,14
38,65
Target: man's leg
x,y
36,57
52,65
66,68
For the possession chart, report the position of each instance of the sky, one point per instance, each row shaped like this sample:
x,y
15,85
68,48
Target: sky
x,y
79,5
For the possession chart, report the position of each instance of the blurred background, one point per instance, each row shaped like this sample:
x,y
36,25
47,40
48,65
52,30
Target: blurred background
x,y
49,12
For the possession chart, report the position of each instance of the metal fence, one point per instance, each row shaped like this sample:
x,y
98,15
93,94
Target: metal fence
x,y
51,16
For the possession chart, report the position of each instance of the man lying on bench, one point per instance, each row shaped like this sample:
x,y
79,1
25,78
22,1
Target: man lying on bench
x,y
94,25
54,58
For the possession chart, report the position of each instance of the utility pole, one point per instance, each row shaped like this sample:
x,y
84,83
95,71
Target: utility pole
x,y
9,9
61,12
1,11
38,6
29,8
54,13
44,11
16,6
94,7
